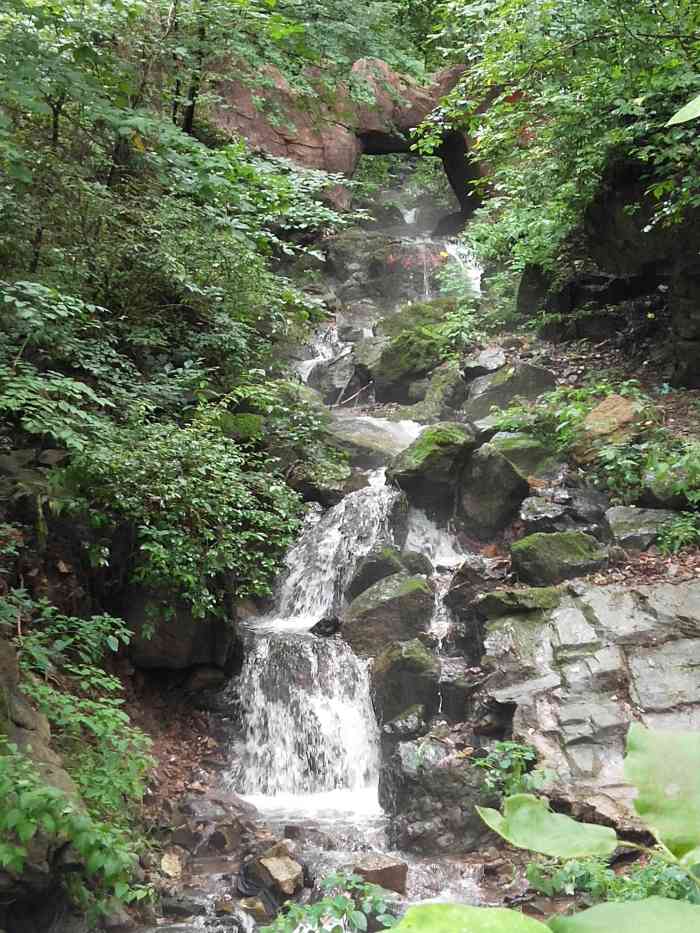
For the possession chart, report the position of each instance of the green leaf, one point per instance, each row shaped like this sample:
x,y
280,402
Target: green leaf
x,y
691,111
358,920
528,823
653,915
112,643
453,918
664,767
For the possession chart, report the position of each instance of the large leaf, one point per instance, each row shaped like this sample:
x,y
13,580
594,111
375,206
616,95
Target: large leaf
x,y
654,915
528,823
453,918
691,111
665,769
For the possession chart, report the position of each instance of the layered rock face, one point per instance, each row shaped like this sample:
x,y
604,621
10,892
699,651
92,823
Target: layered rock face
x,y
332,134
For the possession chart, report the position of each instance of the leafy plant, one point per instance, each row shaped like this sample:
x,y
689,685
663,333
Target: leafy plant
x,y
349,904
509,768
681,532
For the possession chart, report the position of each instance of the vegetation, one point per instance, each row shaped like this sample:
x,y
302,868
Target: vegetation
x,y
509,768
350,903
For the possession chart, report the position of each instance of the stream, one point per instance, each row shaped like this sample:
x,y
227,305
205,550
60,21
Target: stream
x,y
308,751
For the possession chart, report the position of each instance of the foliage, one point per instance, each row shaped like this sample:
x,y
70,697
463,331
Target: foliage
x,y
32,808
681,532
349,904
655,877
214,518
575,86
508,767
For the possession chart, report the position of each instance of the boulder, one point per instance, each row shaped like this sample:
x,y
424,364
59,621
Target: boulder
x,y
483,363
397,608
404,359
578,674
527,454
545,559
408,724
430,789
281,873
174,640
509,601
356,320
403,675
415,562
370,442
521,380
615,420
385,870
475,574
579,509
335,379
441,394
490,492
326,627
637,529
326,483
428,470
379,563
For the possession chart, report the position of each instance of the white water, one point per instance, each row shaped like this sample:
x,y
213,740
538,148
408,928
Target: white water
x,y
464,256
439,544
325,346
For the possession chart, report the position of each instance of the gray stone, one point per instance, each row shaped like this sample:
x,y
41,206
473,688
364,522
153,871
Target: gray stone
x,y
490,492
486,361
523,380
403,675
637,529
379,563
528,455
334,379
370,442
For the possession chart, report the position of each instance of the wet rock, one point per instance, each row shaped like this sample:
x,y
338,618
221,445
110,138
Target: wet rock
x,y
381,562
615,420
326,627
335,379
415,562
428,470
408,724
172,862
370,442
637,529
458,683
540,514
444,392
182,906
404,359
327,485
430,789
356,320
577,675
544,559
490,492
257,909
578,509
528,455
395,609
475,575
384,870
522,380
403,675
486,361
280,873
205,678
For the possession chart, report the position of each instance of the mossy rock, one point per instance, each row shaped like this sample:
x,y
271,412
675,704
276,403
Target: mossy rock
x,y
397,608
499,603
529,455
545,559
325,482
428,470
416,315
522,380
415,562
381,562
444,393
490,492
405,674
404,359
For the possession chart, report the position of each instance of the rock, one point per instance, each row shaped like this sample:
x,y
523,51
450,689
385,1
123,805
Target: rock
x,y
205,678
544,559
379,563
182,906
327,484
580,509
408,724
384,870
177,642
637,529
404,359
403,675
257,909
280,872
540,514
172,863
116,917
522,380
486,361
528,455
326,627
499,603
475,574
335,379
613,421
356,320
395,609
428,470
490,492
370,442
578,675
443,393
430,789
415,562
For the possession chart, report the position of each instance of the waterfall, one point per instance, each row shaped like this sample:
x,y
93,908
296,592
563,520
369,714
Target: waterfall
x,y
464,256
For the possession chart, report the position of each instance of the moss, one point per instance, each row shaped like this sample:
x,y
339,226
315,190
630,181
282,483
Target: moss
x,y
418,314
526,453
503,602
414,585
434,443
415,562
410,354
550,558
